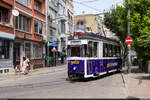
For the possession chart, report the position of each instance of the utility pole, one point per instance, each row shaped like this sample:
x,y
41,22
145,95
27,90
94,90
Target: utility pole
x,y
129,58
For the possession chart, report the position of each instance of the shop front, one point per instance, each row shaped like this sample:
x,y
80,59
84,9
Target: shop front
x,y
6,52
52,54
31,49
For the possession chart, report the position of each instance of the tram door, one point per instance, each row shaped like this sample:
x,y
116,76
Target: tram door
x,y
16,54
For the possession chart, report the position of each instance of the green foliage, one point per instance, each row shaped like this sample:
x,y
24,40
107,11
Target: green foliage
x,y
139,18
135,62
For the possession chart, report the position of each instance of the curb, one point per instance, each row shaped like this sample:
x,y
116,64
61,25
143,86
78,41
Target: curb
x,y
124,80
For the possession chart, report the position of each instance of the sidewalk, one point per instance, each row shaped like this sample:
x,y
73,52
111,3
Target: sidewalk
x,y
38,71
137,83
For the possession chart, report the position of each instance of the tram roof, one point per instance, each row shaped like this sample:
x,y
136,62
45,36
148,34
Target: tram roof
x,y
92,36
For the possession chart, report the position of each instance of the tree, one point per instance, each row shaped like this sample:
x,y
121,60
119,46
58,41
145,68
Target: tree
x,y
116,21
139,18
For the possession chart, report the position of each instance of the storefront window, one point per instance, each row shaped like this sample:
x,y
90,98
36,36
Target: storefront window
x,y
4,49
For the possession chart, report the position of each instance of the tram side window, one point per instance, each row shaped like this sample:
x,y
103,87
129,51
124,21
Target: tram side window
x,y
118,51
95,49
109,50
113,51
69,51
90,49
85,51
105,50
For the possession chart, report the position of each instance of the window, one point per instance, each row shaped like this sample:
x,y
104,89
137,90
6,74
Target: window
x,y
105,50
4,15
38,26
52,34
61,9
35,26
70,27
95,49
52,14
4,49
28,49
70,15
111,50
62,27
37,51
76,51
53,2
38,6
24,2
90,49
22,23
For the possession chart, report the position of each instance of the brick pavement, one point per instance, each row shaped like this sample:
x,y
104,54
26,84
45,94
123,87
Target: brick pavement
x,y
137,83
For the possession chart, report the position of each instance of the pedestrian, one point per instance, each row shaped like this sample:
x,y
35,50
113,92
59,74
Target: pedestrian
x,y
28,63
24,66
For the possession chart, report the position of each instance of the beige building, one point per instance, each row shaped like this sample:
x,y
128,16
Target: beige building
x,y
70,15
70,18
88,22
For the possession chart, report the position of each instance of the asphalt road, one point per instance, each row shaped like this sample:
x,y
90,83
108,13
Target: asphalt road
x,y
55,85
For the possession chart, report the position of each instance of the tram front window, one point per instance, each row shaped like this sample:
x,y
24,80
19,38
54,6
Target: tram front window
x,y
75,52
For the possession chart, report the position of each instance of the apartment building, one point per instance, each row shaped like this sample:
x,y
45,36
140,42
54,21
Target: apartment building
x,y
70,19
62,18
23,35
89,22
52,32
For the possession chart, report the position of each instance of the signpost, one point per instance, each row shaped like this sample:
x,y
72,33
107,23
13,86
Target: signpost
x,y
129,41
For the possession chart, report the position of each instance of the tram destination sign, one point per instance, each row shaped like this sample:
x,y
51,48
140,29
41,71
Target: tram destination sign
x,y
75,42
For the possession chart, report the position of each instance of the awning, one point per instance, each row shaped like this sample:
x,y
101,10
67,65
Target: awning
x,y
7,36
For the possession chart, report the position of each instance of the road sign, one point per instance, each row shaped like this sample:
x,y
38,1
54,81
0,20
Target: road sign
x,y
129,46
129,40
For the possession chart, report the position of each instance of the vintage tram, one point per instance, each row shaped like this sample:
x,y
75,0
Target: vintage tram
x,y
91,55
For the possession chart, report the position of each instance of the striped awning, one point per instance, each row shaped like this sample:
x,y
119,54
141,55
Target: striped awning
x,y
7,36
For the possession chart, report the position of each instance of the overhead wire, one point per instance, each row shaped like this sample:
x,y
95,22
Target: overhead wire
x,y
87,6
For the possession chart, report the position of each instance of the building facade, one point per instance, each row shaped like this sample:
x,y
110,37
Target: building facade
x,y
69,22
62,18
25,33
52,32
7,36
88,22
30,31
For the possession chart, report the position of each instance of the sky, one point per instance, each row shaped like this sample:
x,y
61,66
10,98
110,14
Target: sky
x,y
94,6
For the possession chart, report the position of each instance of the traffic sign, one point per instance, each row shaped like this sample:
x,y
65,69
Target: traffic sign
x,y
129,40
129,46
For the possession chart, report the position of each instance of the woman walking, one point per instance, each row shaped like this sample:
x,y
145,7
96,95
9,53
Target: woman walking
x,y
24,66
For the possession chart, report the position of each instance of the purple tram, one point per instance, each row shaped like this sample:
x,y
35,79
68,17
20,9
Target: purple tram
x,y
91,55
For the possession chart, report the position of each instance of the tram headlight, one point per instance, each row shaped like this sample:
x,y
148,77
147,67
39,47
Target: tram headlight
x,y
74,68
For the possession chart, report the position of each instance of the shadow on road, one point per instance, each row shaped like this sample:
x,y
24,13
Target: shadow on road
x,y
136,70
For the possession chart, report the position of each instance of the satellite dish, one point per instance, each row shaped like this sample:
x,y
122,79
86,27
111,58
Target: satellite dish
x,y
15,12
